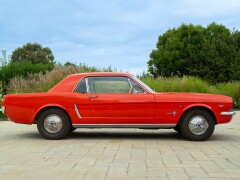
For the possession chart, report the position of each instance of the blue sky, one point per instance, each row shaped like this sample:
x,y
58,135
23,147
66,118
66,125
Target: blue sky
x,y
120,33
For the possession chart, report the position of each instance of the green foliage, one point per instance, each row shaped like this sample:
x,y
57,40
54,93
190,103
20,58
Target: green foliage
x,y
177,84
211,53
69,64
22,69
33,52
42,82
194,84
231,89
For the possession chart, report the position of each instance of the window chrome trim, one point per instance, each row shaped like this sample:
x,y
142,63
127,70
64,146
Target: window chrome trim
x,y
87,85
77,112
130,83
150,126
128,80
146,91
79,82
142,84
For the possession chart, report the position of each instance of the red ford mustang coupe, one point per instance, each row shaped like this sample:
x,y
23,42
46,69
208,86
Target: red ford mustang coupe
x,y
116,100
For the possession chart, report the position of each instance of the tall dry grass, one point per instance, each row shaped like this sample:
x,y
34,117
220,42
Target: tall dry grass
x,y
41,82
194,84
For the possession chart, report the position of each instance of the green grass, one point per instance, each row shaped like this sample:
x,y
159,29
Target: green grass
x,y
193,84
176,84
43,82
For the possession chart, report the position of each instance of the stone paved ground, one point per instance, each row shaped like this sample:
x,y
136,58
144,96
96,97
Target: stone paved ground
x,y
119,154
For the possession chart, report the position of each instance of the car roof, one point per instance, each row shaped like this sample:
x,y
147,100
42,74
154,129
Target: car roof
x,y
101,74
71,81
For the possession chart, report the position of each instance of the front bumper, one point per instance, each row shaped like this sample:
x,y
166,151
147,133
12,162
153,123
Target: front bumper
x,y
230,113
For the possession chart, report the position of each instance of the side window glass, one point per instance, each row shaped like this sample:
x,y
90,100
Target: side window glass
x,y
136,88
81,88
108,85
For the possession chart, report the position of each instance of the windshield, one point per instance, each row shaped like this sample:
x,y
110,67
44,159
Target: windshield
x,y
143,84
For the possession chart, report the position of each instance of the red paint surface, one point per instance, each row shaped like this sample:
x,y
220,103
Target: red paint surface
x,y
146,108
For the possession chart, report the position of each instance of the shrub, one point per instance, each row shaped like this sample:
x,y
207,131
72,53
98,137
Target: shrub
x,y
177,84
42,82
231,89
22,69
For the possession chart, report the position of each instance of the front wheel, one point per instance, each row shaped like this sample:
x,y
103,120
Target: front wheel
x,y
53,124
197,125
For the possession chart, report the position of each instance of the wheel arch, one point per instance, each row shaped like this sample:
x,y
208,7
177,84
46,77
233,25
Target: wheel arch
x,y
42,109
206,108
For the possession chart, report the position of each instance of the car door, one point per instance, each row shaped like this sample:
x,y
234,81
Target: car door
x,y
81,105
117,100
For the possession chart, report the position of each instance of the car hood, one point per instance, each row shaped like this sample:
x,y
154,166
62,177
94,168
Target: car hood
x,y
191,97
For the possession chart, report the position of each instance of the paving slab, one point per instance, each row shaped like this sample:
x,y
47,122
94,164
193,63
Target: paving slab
x,y
119,154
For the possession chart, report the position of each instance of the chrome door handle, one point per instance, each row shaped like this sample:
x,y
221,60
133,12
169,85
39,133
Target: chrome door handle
x,y
91,97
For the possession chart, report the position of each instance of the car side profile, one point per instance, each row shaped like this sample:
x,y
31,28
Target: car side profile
x,y
116,100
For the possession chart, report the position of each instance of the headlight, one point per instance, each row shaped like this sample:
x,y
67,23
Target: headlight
x,y
3,109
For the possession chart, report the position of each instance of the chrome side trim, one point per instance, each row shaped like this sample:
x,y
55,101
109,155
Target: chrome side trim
x,y
77,112
231,113
150,126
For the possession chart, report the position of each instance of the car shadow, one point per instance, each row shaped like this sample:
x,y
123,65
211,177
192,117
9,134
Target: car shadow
x,y
107,135
125,135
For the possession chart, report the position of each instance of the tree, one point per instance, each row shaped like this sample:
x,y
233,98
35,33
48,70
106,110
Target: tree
x,y
70,64
206,52
34,53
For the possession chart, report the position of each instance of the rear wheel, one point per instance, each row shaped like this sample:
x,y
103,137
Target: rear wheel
x,y
197,125
53,124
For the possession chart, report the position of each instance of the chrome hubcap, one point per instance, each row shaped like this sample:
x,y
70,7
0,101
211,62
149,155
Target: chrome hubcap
x,y
198,125
53,123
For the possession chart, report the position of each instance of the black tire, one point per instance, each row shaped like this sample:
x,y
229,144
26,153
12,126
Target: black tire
x,y
63,118
207,129
177,129
72,129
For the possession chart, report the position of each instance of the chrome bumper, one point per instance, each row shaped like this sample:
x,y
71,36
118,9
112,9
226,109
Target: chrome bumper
x,y
3,109
231,113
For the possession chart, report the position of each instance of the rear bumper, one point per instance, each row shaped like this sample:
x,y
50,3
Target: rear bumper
x,y
3,109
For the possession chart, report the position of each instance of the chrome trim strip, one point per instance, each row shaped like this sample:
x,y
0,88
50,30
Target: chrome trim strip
x,y
231,113
130,83
78,84
77,112
87,85
154,126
